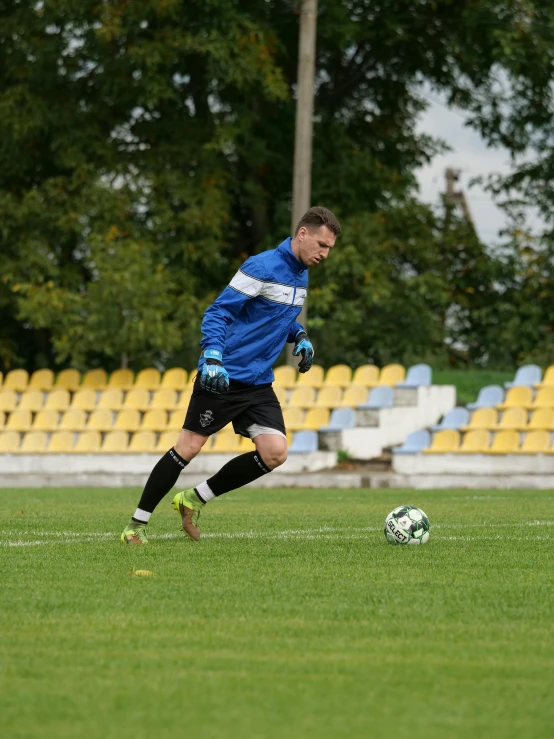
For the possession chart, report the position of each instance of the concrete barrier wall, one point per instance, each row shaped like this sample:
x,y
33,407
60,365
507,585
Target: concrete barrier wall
x,y
474,464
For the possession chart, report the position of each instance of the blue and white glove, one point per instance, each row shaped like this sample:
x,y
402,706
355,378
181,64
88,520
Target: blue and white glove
x,y
303,346
214,377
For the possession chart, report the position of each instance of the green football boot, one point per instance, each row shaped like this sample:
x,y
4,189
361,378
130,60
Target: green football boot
x,y
189,505
134,533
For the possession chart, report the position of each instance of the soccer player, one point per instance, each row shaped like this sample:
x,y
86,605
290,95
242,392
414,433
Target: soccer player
x,y
243,333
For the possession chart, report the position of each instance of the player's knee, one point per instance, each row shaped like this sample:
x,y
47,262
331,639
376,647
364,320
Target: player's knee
x,y
189,445
275,457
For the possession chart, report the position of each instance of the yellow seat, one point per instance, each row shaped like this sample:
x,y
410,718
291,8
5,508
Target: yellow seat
x,y
46,420
138,398
482,418
19,420
143,442
535,442
100,420
543,418
111,399
122,379
8,400
127,420
32,400
366,375
513,418
548,378
57,400
226,442
165,398
95,379
294,418
354,395
17,380
517,397
88,442
474,442
73,419
2,419
42,379
315,418
148,378
391,375
9,442
61,442
34,442
504,442
155,420
68,379
444,442
175,422
281,394
302,397
339,374
313,378
184,400
329,397
175,378
84,399
115,442
285,376
544,399
246,445
166,441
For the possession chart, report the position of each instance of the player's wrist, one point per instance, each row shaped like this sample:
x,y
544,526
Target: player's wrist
x,y
213,354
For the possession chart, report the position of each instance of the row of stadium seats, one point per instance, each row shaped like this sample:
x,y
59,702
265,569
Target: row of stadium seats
x,y
523,396
478,441
520,419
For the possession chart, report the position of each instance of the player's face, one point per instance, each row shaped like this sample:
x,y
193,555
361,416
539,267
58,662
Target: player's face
x,y
314,246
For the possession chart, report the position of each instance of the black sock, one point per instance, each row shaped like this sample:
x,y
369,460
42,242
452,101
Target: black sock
x,y
238,472
162,478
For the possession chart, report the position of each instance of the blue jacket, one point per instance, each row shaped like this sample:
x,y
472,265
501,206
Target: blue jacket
x,y
256,314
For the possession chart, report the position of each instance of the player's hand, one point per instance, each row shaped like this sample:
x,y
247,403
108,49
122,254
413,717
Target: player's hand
x,y
304,346
214,377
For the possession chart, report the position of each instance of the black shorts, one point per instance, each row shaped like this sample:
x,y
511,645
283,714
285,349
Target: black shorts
x,y
250,408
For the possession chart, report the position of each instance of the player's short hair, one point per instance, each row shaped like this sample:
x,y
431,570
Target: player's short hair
x,y
318,216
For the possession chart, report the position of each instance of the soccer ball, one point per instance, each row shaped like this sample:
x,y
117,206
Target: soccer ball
x,y
407,525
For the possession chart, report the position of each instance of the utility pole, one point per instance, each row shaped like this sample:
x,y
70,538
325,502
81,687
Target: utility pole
x,y
302,173
457,196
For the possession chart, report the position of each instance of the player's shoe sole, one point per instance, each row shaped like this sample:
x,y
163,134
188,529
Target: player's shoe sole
x,y
134,534
188,506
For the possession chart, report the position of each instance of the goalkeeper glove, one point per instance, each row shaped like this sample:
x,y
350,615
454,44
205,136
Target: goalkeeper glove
x,y
214,377
303,346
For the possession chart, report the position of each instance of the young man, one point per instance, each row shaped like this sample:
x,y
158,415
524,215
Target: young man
x,y
243,333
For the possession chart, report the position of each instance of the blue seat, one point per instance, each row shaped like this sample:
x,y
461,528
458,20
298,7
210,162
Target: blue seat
x,y
304,442
529,374
418,375
454,419
379,397
341,418
489,397
415,443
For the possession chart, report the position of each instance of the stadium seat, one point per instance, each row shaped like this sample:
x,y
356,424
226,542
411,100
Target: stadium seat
x,y
184,400
127,419
61,442
281,394
416,442
100,420
294,418
530,374
164,399
548,379
115,442
543,418
34,442
454,419
175,378
513,418
148,378
329,397
143,442
17,380
154,420
166,441
474,442
517,397
285,376
544,399
8,400
391,375
482,418
366,375
175,421
68,379
138,398
73,419
304,442
85,399
302,397
315,418
504,442
122,379
341,418
354,395
246,445
31,400
489,397
313,378
57,400
46,420
419,375
535,442
226,441
95,379
111,399
339,374
19,420
9,442
444,442
42,379
88,442
379,397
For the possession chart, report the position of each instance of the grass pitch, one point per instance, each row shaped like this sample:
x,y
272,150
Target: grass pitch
x,y
291,618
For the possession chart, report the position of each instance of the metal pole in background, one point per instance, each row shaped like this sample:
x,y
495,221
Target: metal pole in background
x,y
302,173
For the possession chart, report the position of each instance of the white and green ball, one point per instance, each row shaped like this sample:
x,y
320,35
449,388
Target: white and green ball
x,y
407,525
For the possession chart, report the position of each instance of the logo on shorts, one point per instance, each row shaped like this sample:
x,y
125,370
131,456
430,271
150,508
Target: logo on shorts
x,y
206,418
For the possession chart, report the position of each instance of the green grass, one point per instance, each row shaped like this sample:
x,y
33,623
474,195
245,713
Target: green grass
x,y
291,618
469,382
